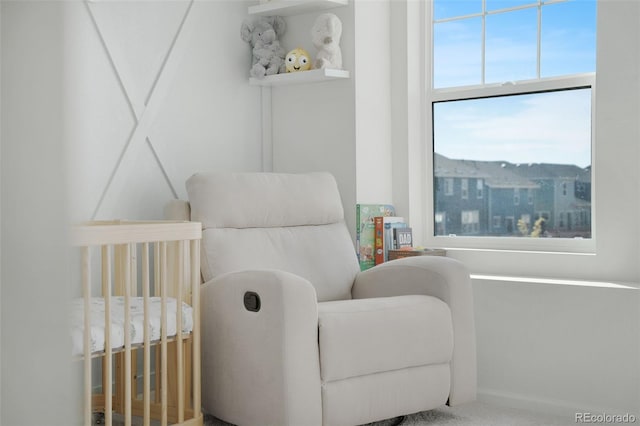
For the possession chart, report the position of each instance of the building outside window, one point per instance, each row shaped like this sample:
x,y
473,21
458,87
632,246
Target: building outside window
x,y
470,222
464,188
511,93
448,186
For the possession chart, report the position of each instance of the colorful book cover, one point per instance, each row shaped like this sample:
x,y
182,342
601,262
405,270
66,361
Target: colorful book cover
x,y
391,223
378,244
403,238
384,226
366,229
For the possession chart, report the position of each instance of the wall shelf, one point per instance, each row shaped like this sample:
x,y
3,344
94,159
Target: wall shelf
x,y
302,77
294,7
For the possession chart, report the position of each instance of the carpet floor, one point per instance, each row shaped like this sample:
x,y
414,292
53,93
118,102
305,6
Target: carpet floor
x,y
473,414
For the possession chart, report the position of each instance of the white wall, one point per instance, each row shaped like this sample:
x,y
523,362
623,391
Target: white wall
x,y
341,126
199,115
314,125
558,348
407,112
38,380
373,101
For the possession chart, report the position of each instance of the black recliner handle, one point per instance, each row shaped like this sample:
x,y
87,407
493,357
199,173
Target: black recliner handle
x,y
252,301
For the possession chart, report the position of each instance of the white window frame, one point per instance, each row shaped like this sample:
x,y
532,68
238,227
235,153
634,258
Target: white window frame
x,y
614,158
564,245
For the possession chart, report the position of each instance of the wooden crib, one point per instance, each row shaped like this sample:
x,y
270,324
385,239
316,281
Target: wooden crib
x,y
162,261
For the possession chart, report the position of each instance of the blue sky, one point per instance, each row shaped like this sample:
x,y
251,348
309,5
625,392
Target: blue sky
x,y
552,128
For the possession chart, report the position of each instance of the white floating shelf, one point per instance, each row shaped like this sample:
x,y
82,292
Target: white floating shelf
x,y
294,7
301,77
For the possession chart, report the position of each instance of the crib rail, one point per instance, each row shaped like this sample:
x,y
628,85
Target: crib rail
x,y
158,256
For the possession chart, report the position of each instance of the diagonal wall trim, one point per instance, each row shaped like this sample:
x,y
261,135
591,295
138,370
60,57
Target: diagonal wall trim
x,y
146,111
117,64
162,169
171,48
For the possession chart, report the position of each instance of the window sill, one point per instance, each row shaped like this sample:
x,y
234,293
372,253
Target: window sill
x,y
557,281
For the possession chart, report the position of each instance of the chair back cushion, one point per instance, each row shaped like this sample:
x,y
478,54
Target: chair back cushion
x,y
291,222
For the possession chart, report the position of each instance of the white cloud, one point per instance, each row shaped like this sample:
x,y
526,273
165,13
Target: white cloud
x,y
551,128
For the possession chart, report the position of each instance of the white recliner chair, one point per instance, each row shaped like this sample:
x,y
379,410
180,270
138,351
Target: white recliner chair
x,y
294,334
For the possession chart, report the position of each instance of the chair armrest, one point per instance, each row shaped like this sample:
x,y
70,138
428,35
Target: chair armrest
x,y
446,279
267,358
177,210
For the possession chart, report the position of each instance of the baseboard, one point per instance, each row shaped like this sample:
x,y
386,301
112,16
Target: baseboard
x,y
547,406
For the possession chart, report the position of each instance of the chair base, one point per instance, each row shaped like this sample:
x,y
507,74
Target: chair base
x,y
365,399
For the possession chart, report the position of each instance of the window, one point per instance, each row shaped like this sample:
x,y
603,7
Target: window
x,y
448,186
441,223
470,222
511,89
497,221
464,188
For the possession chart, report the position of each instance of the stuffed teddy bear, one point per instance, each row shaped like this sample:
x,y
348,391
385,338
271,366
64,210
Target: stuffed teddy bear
x,y
262,35
325,34
297,60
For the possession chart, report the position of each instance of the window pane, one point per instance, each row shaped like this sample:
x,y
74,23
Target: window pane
x,y
512,40
531,154
457,53
448,9
568,46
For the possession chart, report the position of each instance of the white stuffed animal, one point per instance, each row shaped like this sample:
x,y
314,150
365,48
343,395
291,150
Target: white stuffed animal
x,y
325,34
262,35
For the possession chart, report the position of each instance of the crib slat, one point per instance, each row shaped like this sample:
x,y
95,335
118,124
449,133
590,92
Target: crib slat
x,y
179,346
107,360
146,393
118,290
156,292
163,334
195,303
127,335
86,289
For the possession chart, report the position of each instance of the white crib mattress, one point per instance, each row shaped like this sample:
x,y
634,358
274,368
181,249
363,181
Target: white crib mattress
x,y
117,321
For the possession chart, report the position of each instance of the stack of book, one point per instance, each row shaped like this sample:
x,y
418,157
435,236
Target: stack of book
x,y
383,236
391,233
365,231
379,231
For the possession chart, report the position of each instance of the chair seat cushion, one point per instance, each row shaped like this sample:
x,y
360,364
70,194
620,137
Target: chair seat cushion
x,y
367,336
